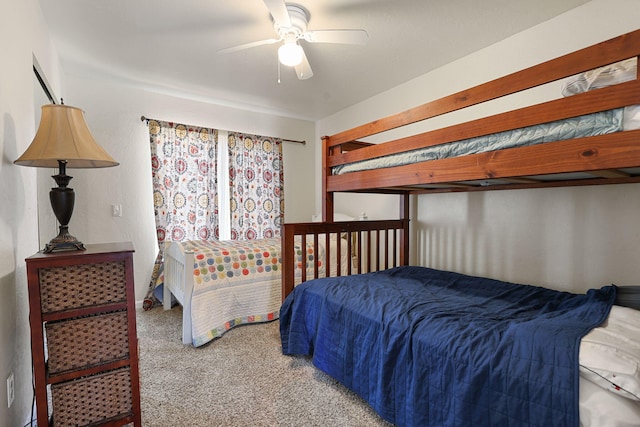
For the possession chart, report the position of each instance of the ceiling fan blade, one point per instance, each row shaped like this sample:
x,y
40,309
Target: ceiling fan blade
x,y
337,36
303,69
278,10
248,45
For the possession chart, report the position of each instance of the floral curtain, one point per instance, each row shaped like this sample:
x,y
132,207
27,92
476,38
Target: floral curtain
x,y
184,174
256,185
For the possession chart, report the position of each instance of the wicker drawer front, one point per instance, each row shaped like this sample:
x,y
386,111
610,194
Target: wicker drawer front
x,y
92,399
83,285
85,342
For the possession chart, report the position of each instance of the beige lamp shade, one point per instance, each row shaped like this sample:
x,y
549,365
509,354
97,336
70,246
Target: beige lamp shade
x,y
63,134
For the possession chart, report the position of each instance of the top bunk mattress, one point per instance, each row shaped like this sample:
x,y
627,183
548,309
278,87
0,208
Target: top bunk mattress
x,y
600,123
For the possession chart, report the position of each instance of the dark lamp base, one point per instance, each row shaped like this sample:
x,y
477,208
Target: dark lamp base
x,y
62,201
63,242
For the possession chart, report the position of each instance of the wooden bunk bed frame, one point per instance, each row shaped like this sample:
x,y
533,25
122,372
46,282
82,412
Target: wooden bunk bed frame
x,y
375,245
604,159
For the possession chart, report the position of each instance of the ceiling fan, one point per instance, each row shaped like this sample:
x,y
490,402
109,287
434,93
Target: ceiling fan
x,y
290,24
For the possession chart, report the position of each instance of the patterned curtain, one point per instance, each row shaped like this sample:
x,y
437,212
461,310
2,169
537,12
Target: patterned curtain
x,y
184,171
257,186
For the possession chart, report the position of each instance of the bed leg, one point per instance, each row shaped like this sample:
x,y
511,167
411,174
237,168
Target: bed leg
x,y
186,323
166,297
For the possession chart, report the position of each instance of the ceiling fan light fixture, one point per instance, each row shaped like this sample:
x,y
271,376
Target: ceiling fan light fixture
x,y
290,23
290,54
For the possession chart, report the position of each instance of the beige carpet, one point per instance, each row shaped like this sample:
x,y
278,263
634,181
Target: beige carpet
x,y
240,379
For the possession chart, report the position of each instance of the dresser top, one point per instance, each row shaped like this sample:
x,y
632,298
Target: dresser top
x,y
91,249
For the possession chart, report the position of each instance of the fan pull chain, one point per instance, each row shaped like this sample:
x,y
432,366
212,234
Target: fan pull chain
x,y
278,70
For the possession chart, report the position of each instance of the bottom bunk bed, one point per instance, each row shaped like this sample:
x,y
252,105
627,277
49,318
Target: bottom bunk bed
x,y
431,348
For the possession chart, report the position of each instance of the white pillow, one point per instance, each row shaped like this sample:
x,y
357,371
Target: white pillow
x,y
610,353
631,118
608,75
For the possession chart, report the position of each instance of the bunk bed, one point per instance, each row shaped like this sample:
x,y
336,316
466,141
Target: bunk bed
x,y
383,348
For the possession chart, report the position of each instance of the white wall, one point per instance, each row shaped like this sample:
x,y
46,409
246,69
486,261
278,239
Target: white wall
x,y
571,238
23,35
113,112
568,238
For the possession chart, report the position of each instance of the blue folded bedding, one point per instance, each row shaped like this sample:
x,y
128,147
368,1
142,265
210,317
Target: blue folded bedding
x,y
432,348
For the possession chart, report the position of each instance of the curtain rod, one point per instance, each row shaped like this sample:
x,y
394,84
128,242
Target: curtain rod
x,y
303,142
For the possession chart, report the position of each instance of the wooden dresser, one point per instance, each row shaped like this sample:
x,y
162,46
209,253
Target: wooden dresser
x,y
83,336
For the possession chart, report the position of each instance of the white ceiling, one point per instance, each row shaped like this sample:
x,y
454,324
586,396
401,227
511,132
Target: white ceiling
x,y
171,45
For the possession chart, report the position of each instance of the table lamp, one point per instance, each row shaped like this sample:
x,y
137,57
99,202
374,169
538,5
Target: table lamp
x,y
63,140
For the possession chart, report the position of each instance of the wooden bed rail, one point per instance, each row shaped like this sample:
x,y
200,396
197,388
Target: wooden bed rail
x,y
545,166
370,246
604,53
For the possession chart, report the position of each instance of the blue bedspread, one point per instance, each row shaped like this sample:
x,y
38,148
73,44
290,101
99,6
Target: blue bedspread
x,y
431,348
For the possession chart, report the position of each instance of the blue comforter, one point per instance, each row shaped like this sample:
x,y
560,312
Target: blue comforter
x,y
431,348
